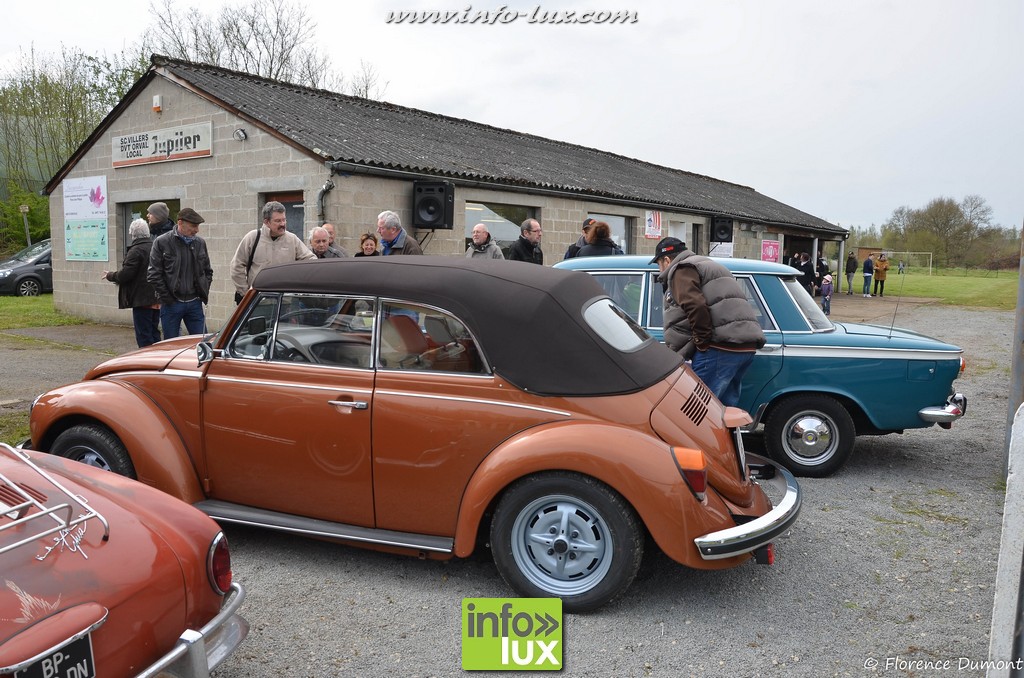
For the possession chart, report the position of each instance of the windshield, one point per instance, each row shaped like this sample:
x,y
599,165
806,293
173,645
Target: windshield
x,y
814,315
32,251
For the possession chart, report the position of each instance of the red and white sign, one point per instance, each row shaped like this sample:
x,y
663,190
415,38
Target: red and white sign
x,y
770,250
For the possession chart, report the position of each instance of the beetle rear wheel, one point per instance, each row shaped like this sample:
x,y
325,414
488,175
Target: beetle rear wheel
x,y
811,435
94,445
568,536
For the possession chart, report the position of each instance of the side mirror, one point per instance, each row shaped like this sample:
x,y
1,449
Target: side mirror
x,y
205,352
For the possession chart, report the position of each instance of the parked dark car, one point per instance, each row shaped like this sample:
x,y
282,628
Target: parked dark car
x,y
29,272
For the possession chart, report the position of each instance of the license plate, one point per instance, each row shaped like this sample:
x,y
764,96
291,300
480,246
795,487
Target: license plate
x,y
74,660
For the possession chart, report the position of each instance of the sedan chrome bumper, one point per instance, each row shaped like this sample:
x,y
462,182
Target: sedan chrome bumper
x,y
954,408
735,541
197,653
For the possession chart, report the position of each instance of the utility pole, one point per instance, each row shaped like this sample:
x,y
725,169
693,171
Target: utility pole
x,y
24,217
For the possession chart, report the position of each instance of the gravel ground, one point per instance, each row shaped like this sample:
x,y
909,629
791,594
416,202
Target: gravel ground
x,y
889,570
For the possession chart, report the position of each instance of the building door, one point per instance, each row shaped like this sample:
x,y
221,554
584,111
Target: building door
x,y
294,209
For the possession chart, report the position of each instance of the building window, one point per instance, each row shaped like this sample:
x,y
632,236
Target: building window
x,y
621,229
137,210
502,221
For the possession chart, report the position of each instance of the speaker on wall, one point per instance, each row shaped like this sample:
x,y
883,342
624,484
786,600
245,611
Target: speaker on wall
x,y
433,204
721,229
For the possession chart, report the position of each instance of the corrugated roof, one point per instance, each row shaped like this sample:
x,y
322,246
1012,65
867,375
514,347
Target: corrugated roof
x,y
381,135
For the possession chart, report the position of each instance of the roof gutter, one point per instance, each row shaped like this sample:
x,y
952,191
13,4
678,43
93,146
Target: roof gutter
x,y
344,165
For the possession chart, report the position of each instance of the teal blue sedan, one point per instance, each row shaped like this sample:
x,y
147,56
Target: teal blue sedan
x,y
816,384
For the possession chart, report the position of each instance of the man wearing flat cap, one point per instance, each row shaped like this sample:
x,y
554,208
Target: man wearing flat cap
x,y
574,249
707,318
180,270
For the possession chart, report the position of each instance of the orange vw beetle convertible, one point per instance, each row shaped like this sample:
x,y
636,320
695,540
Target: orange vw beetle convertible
x,y
103,576
429,405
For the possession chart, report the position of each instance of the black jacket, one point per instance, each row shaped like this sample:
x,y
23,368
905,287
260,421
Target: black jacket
x,y
133,290
524,250
180,271
601,248
159,229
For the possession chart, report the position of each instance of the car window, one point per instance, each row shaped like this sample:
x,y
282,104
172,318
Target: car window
x,y
761,314
655,301
625,289
318,329
812,312
426,339
613,325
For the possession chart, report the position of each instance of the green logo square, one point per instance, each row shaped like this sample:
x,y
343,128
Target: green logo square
x,y
511,634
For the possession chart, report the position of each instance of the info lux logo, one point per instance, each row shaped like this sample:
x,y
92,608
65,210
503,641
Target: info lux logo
x,y
511,634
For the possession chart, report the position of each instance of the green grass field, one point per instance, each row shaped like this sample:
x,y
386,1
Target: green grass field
x,y
989,289
18,312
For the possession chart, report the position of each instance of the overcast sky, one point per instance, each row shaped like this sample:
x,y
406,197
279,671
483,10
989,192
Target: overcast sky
x,y
843,110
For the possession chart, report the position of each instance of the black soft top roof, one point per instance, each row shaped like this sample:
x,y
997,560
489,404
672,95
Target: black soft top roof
x,y
527,317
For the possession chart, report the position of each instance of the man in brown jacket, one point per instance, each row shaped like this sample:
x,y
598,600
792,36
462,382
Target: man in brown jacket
x,y
707,318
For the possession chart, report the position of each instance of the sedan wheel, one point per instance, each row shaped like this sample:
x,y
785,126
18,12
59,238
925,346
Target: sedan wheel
x,y
29,287
94,445
568,536
811,435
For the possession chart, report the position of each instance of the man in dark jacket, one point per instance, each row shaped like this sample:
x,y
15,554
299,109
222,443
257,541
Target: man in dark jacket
x,y
851,270
180,271
527,248
159,218
133,290
707,318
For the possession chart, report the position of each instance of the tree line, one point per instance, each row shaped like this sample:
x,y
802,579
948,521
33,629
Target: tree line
x,y
958,234
51,103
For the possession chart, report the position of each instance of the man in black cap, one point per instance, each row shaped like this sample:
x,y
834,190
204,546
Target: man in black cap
x,y
707,318
180,270
574,249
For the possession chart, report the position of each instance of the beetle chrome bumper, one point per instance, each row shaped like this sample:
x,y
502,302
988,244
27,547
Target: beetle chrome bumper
x,y
735,541
199,652
954,408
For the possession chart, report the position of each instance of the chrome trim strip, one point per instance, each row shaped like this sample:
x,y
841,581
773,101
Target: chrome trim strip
x,y
247,515
478,401
792,351
195,374
290,384
735,541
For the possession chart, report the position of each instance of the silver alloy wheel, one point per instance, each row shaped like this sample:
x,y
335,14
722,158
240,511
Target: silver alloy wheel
x,y
29,287
810,438
561,545
89,457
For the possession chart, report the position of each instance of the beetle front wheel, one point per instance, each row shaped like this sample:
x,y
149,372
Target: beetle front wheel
x,y
568,536
94,445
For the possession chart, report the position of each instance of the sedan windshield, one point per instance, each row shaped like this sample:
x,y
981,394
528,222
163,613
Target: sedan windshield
x,y
812,312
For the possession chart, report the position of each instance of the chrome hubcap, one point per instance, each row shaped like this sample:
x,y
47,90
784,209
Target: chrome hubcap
x,y
810,437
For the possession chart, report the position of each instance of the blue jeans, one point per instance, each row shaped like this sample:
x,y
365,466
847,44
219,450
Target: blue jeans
x,y
722,372
191,312
147,325
867,284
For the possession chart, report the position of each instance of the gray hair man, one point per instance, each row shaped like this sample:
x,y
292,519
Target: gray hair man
x,y
482,245
320,244
394,238
268,245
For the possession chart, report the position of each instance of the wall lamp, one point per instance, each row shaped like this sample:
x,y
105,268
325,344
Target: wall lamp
x,y
240,134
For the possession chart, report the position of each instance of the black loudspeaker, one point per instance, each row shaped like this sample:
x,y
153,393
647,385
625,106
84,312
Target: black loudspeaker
x,y
433,204
721,229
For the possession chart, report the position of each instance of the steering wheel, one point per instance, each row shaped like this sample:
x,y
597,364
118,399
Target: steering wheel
x,y
284,352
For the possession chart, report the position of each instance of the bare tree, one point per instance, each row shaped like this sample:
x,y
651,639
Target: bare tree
x,y
271,38
366,83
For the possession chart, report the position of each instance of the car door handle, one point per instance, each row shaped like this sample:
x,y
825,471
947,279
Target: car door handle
x,y
351,404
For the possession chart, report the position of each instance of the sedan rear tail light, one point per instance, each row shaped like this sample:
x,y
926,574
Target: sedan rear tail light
x,y
694,469
218,564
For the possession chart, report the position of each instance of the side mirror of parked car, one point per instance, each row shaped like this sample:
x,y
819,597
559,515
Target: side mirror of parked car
x,y
205,352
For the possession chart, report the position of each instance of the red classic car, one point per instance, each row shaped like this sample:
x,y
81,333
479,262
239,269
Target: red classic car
x,y
429,405
103,576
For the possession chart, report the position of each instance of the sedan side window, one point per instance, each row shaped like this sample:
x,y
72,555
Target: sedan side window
x,y
426,339
760,312
252,336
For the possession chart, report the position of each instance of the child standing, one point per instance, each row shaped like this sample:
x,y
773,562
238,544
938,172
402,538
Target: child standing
x,y
826,294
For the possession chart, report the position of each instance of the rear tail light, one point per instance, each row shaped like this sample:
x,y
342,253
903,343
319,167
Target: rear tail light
x,y
963,365
218,564
694,469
